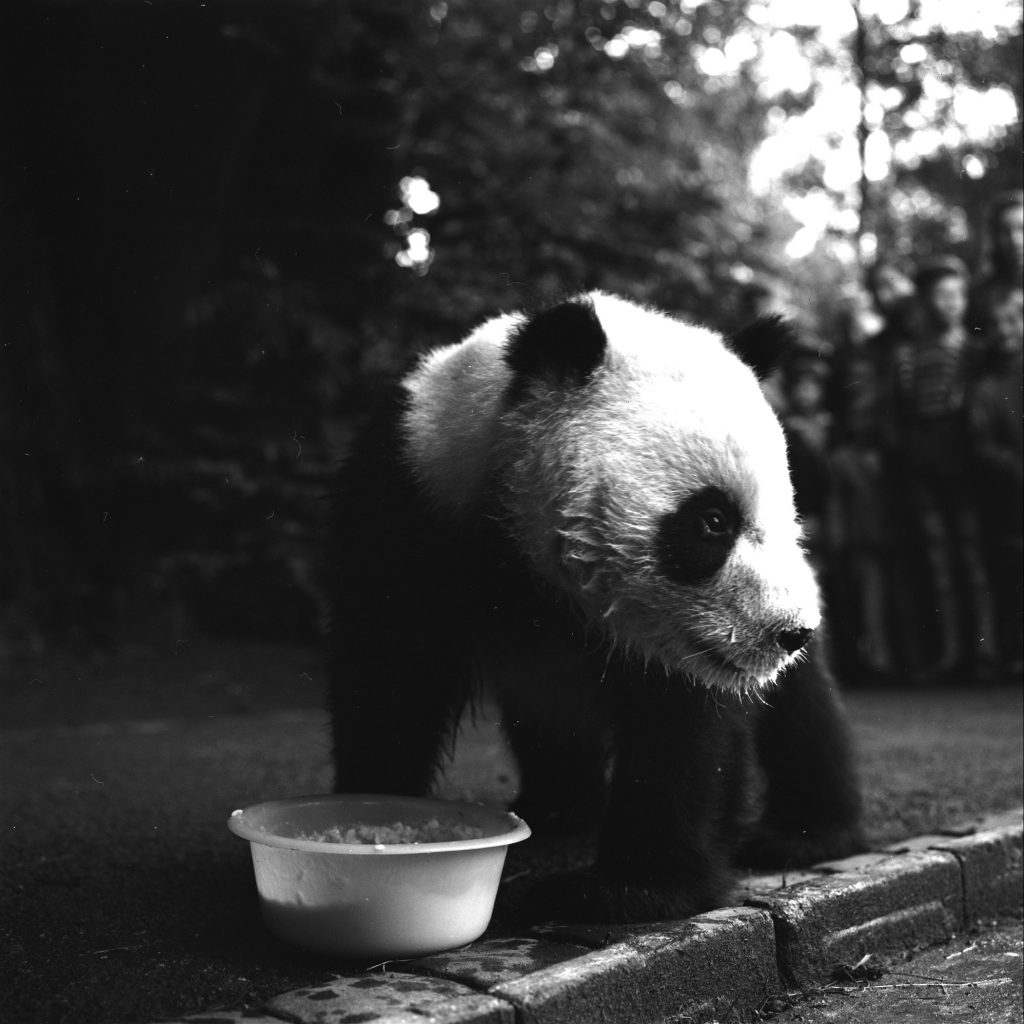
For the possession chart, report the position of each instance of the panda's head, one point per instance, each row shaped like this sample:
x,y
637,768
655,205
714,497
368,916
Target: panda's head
x,y
640,471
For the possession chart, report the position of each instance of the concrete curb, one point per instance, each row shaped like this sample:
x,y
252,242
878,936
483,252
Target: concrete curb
x,y
786,931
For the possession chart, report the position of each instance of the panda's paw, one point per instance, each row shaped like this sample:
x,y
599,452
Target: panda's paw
x,y
587,896
770,846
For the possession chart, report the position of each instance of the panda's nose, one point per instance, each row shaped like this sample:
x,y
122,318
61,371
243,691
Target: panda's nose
x,y
791,640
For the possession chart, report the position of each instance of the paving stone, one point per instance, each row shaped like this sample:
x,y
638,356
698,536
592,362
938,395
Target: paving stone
x,y
482,965
992,863
390,997
897,904
705,967
596,936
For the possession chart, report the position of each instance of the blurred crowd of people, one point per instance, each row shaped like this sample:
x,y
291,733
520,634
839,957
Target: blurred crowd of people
x,y
907,459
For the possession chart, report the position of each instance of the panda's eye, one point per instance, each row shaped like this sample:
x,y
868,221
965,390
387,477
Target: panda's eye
x,y
694,541
713,523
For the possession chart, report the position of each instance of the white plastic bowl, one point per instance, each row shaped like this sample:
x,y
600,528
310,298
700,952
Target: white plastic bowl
x,y
375,902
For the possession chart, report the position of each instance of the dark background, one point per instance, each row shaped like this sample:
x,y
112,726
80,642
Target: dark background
x,y
203,226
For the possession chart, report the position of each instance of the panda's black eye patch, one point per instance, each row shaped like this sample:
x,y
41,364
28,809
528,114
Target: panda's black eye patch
x,y
694,541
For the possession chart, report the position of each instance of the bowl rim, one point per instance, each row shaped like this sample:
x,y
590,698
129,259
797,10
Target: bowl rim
x,y
237,823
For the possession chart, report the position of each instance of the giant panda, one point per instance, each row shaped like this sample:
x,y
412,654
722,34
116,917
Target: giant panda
x,y
587,510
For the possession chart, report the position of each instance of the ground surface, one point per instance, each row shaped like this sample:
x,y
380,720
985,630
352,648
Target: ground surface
x,y
124,898
976,979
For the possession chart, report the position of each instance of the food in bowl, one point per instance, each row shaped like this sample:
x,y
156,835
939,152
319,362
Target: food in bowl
x,y
377,877
432,831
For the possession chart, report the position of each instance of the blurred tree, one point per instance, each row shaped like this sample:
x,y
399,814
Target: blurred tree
x,y
577,145
924,86
938,129
224,227
192,228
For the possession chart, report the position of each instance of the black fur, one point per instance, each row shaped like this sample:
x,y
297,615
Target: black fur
x,y
695,540
397,570
422,600
764,343
563,344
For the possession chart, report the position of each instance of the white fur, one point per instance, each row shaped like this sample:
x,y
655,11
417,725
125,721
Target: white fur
x,y
587,472
455,401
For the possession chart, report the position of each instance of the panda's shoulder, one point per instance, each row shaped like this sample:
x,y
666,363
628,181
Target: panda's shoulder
x,y
452,400
451,374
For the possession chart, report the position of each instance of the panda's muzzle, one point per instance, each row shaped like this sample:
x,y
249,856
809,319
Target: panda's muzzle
x,y
793,640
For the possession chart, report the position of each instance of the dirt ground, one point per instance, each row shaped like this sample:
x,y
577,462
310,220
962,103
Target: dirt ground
x,y
124,898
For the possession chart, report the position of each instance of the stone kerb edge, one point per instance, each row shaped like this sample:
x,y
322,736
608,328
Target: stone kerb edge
x,y
992,864
920,892
706,967
902,902
916,893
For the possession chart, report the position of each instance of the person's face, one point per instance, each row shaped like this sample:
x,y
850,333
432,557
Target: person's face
x,y
947,301
889,287
805,393
1009,236
1008,326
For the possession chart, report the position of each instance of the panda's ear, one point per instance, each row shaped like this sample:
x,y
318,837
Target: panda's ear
x,y
563,344
765,343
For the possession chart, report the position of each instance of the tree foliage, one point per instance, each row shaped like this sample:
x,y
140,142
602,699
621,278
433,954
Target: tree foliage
x,y
578,145
226,226
939,124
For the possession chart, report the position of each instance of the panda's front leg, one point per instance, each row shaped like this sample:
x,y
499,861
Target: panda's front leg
x,y
812,803
670,828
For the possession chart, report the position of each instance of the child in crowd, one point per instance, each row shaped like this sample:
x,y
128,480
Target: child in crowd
x,y
867,582
891,291
929,444
1004,274
994,409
